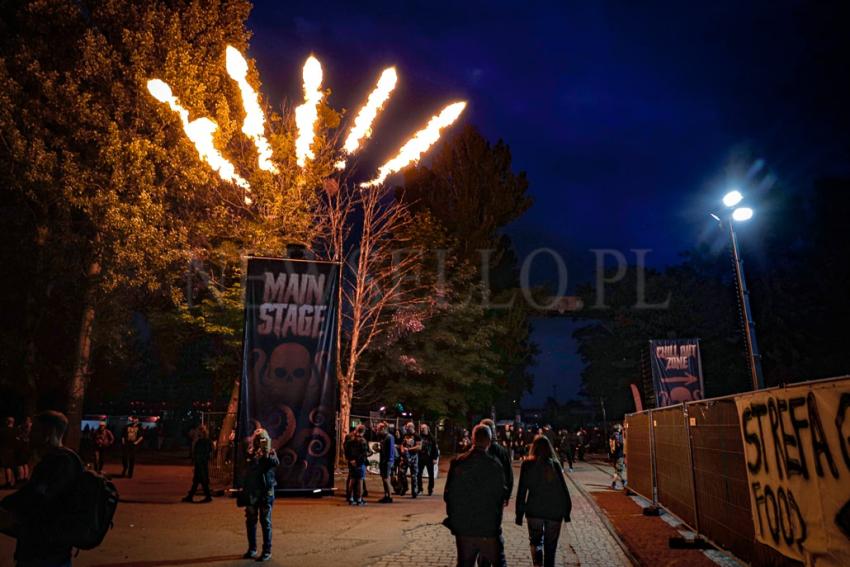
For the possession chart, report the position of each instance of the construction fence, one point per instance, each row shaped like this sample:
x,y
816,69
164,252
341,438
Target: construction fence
x,y
691,459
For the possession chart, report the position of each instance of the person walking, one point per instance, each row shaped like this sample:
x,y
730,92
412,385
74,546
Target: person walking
x,y
131,437
501,455
103,440
201,454
615,445
411,445
49,494
475,494
565,448
356,453
257,494
387,460
544,500
428,455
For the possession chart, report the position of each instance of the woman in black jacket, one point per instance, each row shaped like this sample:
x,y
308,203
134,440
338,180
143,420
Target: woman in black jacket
x,y
258,493
544,499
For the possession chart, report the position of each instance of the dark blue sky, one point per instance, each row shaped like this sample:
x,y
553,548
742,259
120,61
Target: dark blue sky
x,y
629,117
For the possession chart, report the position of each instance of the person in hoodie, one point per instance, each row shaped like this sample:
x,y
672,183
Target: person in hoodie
x,y
257,496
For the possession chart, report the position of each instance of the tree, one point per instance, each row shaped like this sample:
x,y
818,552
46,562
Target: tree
x,y
114,191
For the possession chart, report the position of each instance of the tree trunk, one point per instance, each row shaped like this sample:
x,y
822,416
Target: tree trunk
x,y
79,380
229,421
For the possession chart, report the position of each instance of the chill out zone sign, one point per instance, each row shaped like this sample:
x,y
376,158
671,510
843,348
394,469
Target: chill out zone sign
x,y
797,450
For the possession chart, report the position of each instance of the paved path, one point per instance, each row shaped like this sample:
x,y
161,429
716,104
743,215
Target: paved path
x,y
585,541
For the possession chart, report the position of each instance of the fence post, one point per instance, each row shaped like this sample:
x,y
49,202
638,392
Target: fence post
x,y
652,510
691,463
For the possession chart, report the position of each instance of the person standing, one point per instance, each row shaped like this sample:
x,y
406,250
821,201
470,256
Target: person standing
x,y
543,498
428,455
257,494
8,436
103,440
465,443
411,445
22,450
201,454
387,460
49,494
565,448
617,456
475,494
131,437
356,454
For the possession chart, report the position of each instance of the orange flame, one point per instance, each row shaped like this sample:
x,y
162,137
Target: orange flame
x,y
254,124
307,115
200,131
420,142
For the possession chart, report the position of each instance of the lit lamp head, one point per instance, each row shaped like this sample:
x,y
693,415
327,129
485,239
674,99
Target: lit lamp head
x,y
742,214
732,198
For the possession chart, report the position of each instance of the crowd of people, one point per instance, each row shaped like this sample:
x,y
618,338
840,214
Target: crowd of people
x,y
478,488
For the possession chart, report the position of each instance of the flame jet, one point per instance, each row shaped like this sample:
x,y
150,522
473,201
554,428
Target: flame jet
x,y
200,131
362,128
307,114
420,142
255,121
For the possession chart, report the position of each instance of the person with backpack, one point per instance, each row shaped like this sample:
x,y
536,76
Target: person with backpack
x,y
131,437
56,510
257,494
543,499
427,457
201,453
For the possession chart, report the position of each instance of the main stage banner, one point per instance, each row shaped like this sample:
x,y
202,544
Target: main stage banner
x,y
289,382
676,371
797,449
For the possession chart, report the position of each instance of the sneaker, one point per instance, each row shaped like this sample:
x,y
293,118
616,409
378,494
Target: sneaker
x,y
206,499
413,495
350,502
386,500
264,557
430,493
187,499
361,502
614,485
570,469
250,554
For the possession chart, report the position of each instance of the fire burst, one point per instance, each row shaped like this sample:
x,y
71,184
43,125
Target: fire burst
x,y
200,131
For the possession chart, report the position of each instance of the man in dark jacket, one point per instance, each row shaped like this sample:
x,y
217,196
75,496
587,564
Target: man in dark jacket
x,y
201,453
475,494
427,457
257,495
36,511
501,454
387,459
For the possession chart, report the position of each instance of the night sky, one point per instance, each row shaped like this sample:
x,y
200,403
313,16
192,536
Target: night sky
x,y
631,118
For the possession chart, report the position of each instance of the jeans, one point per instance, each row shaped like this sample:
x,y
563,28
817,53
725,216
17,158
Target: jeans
x,y
488,550
413,466
543,538
201,476
262,511
128,460
425,464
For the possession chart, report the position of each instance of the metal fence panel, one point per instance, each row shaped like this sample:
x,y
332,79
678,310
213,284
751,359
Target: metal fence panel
x,y
723,498
639,454
673,470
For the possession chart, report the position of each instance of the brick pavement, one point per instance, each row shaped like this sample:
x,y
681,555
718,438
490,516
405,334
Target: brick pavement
x,y
584,541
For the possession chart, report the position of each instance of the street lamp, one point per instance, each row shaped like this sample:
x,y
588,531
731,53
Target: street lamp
x,y
741,214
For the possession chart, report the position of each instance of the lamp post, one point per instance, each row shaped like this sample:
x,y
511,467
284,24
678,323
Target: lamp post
x,y
742,214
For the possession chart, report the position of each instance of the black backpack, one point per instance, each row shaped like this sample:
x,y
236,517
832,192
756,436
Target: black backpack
x,y
95,500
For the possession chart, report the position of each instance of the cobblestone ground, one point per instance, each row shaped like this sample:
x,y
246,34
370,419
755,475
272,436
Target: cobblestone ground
x,y
584,541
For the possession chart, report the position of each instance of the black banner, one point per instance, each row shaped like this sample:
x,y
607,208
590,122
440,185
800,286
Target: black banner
x,y
289,383
676,370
